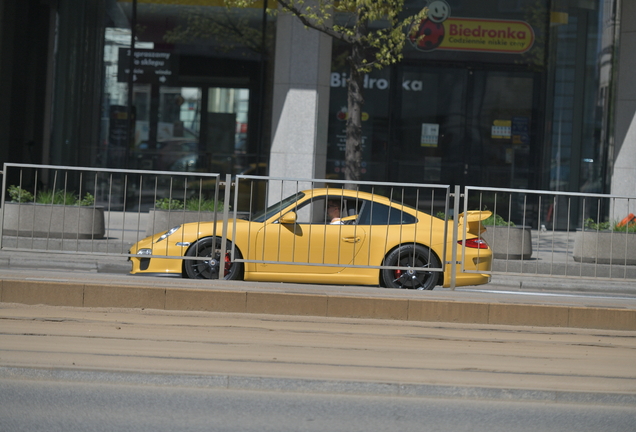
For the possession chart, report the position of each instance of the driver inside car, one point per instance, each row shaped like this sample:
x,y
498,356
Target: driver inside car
x,y
333,213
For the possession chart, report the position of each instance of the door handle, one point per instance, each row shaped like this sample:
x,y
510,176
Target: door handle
x,y
351,239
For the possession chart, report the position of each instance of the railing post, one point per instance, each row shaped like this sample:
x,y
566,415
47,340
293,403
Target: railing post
x,y
4,189
455,238
226,216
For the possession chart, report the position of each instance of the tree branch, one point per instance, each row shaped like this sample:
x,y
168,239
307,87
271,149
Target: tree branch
x,y
329,31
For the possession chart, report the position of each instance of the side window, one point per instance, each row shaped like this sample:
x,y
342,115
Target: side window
x,y
312,212
328,210
379,214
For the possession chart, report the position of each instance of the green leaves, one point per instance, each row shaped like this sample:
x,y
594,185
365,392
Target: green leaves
x,y
608,226
375,32
61,197
195,204
375,26
496,220
19,195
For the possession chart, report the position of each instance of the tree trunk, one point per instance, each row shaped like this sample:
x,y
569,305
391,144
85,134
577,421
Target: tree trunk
x,y
355,101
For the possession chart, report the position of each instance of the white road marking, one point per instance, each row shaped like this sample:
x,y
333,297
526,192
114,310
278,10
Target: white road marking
x,y
551,294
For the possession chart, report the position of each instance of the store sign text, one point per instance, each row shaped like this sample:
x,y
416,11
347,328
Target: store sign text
x,y
340,80
149,66
502,36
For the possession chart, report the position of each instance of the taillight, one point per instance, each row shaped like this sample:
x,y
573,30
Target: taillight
x,y
475,243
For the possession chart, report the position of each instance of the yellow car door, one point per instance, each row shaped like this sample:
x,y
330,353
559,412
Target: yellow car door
x,y
298,243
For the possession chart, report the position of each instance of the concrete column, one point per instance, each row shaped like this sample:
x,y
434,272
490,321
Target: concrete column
x,y
300,105
624,174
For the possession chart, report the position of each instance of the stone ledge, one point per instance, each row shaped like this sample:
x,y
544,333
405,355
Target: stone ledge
x,y
604,247
342,306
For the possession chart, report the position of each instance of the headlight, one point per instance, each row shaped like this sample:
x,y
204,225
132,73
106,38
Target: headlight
x,y
144,252
168,233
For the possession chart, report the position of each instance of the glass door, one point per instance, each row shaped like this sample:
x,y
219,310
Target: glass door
x,y
225,127
167,127
191,129
429,126
465,127
501,140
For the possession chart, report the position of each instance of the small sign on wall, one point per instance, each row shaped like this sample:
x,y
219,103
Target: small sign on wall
x,y
501,129
430,135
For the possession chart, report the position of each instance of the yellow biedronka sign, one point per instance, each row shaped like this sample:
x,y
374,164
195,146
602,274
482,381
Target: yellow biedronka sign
x,y
470,34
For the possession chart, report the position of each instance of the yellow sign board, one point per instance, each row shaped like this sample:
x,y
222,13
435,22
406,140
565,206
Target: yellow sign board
x,y
472,34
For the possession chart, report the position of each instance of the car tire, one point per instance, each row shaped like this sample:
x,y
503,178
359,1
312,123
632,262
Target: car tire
x,y
209,269
411,256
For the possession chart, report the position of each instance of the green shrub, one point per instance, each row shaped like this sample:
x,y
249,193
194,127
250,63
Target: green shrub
x,y
20,195
190,205
600,226
45,197
204,205
65,198
59,197
496,220
168,204
88,200
631,228
608,226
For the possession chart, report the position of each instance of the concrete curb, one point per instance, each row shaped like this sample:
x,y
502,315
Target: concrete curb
x,y
243,300
294,385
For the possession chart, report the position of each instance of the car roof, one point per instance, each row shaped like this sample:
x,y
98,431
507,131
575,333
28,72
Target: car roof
x,y
350,193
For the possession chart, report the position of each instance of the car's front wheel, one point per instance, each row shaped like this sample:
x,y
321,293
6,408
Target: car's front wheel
x,y
209,268
411,256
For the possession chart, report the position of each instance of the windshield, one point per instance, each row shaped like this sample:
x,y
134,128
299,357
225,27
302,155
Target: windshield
x,y
262,216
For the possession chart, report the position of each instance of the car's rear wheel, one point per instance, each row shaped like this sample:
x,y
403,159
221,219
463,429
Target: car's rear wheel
x,y
209,268
411,256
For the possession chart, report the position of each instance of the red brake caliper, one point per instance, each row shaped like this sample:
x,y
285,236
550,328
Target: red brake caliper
x,y
228,262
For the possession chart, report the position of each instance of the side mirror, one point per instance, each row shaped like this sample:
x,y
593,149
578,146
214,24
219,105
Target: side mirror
x,y
288,218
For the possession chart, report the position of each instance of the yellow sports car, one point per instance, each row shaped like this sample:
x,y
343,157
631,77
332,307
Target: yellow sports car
x,y
328,236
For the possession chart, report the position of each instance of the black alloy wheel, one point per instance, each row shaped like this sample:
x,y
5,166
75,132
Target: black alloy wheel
x,y
411,256
210,247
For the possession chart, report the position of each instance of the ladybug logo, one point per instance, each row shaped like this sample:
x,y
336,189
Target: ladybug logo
x,y
429,33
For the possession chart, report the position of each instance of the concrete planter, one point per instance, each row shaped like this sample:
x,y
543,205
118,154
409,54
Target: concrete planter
x,y
53,221
163,220
605,247
514,242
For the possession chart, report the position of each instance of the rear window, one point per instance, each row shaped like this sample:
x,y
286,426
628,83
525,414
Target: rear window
x,y
379,214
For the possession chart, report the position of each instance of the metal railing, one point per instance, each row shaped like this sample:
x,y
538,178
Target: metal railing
x,y
564,234
122,209
351,197
554,234
61,209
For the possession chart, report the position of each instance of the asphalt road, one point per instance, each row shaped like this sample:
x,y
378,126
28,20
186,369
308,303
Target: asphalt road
x,y
27,405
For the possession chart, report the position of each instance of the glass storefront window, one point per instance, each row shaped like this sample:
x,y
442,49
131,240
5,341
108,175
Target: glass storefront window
x,y
431,125
511,94
463,103
581,69
199,78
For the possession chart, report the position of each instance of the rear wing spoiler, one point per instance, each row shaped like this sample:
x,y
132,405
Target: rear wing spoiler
x,y
474,220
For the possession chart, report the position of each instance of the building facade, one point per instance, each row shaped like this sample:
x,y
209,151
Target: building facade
x,y
525,94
